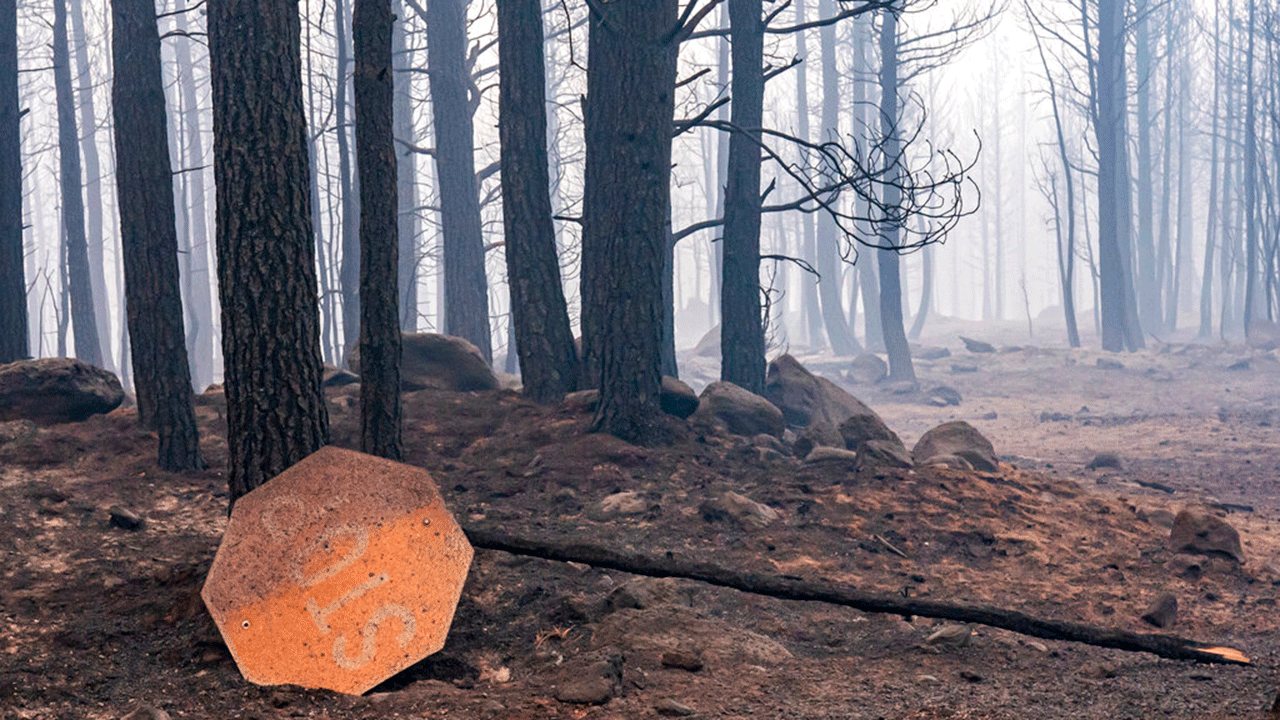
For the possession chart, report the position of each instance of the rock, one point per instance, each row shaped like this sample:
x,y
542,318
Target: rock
x,y
957,438
864,426
1187,567
950,635
643,592
1163,612
990,415
683,659
769,442
1107,460
818,434
737,410
958,368
971,676
593,679
926,352
874,454
48,391
677,398
1239,365
1263,335
582,401
1099,670
333,377
1108,364
830,454
709,345
429,361
867,369
125,519
146,712
667,707
1195,531
746,511
977,346
949,461
622,503
806,399
942,395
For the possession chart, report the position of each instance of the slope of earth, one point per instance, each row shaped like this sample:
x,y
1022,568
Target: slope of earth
x,y
97,619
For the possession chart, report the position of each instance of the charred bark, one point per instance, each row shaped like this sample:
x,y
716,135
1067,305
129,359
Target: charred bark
x,y
540,316
144,186
13,286
371,28
266,251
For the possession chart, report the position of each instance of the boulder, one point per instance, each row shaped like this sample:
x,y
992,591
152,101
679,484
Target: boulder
x,y
709,345
942,395
874,454
738,411
438,362
677,398
818,434
333,377
1163,611
868,369
806,399
977,346
56,390
1105,460
929,352
1196,531
957,438
859,428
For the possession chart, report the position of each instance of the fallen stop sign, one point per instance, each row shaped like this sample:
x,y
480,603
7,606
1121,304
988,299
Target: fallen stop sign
x,y
338,573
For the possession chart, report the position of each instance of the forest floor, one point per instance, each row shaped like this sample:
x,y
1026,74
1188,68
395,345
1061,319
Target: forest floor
x,y
96,620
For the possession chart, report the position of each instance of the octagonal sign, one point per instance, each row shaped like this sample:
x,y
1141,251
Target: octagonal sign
x,y
338,573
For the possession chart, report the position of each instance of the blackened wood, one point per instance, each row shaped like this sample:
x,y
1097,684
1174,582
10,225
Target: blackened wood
x,y
13,287
266,250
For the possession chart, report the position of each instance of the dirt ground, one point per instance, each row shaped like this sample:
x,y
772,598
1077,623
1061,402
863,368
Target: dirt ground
x,y
96,620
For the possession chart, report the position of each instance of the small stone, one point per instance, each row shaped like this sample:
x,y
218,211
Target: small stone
x,y
958,368
903,387
1037,646
623,503
823,453
954,462
586,691
927,678
950,635
989,415
683,659
944,394
112,582
1108,364
1239,365
977,346
1099,670
1163,612
670,708
1108,460
746,511
1196,531
125,519
972,676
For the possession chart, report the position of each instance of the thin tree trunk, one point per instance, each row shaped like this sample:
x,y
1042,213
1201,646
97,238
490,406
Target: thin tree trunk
x,y
144,183
808,241
466,306
1148,293
1211,222
14,341
872,332
407,224
539,313
895,337
926,293
742,328
348,183
1251,295
80,287
371,30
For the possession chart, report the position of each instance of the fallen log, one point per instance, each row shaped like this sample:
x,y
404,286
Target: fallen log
x,y
794,588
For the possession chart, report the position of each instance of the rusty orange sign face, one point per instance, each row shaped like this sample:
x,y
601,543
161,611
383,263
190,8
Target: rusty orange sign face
x,y
338,573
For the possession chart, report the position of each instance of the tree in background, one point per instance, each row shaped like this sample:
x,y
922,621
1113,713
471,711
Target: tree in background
x,y
144,187
371,28
266,251
70,181
540,318
13,286
628,119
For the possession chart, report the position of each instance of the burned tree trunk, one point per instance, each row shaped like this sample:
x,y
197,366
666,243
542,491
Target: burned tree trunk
x,y
466,307
266,250
891,322
628,117
144,185
379,246
69,178
741,325
540,316
13,287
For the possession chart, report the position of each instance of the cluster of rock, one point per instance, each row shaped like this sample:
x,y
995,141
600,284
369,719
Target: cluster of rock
x,y
823,422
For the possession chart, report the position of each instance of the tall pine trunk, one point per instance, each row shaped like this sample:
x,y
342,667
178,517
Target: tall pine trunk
x,y
266,250
895,336
144,188
79,285
13,286
540,317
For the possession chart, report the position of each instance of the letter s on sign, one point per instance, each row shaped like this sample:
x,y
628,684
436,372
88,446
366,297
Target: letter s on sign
x,y
369,635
